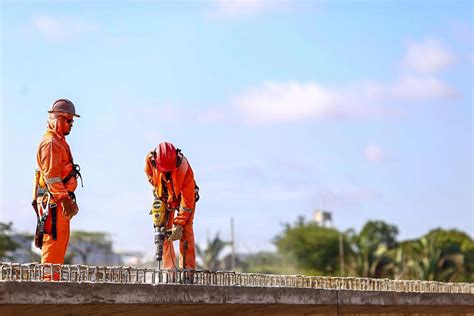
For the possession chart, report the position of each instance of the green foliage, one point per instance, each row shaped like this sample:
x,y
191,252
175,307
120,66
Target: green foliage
x,y
269,263
441,255
6,242
314,248
305,247
370,249
210,256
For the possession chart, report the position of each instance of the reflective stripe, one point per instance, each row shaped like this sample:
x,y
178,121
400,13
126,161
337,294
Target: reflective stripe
x,y
53,180
41,191
184,209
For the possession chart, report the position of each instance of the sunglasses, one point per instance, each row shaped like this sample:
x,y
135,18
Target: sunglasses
x,y
69,121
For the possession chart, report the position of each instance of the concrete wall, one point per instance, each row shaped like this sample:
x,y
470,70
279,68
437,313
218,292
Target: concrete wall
x,y
41,298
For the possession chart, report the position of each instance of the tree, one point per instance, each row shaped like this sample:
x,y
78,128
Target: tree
x,y
267,262
314,248
370,249
6,242
82,243
441,255
455,242
210,255
429,263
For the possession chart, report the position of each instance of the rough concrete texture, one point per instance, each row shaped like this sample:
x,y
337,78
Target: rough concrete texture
x,y
40,298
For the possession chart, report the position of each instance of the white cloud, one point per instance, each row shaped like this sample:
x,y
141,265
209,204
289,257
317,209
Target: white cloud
x,y
240,8
374,153
427,57
299,101
419,88
60,29
291,101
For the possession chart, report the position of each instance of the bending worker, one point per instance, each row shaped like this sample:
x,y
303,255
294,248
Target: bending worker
x,y
55,181
172,178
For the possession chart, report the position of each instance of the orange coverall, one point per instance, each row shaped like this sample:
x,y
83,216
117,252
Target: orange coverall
x,y
54,161
180,189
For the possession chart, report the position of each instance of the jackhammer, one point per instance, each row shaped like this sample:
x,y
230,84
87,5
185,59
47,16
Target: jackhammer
x,y
158,211
160,218
160,235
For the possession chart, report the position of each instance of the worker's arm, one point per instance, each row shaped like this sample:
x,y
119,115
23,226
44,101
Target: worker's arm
x,y
187,203
50,165
149,169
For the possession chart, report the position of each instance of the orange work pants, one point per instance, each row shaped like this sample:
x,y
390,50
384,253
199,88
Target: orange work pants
x,y
53,251
169,257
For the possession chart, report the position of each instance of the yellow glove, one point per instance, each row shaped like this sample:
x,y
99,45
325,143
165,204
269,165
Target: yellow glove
x,y
70,207
176,232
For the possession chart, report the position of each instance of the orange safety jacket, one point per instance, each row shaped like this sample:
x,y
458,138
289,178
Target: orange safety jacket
x,y
55,163
178,190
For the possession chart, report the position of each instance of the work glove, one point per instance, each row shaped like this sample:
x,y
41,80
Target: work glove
x,y
176,232
70,207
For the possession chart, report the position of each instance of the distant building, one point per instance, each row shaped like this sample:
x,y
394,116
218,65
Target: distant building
x,y
132,258
79,252
100,254
323,218
24,252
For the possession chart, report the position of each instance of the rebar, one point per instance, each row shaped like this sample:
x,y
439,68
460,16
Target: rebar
x,y
36,272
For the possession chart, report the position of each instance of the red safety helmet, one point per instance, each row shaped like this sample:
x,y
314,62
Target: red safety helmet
x,y
166,157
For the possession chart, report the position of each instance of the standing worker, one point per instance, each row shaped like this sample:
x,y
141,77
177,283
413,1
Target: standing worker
x,y
172,178
55,182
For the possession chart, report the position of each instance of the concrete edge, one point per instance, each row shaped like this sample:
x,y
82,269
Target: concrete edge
x,y
14,292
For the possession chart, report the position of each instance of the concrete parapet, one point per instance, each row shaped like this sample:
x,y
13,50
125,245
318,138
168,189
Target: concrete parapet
x,y
33,297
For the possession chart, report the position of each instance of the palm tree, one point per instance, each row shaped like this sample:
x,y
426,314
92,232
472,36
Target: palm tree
x,y
210,255
429,262
370,249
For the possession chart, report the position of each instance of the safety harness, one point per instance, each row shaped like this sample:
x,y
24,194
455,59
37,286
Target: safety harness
x,y
45,208
179,160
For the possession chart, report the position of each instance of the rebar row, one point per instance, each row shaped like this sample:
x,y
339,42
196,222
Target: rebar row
x,y
121,274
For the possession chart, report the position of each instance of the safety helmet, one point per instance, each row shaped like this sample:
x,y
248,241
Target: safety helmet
x,y
166,157
63,106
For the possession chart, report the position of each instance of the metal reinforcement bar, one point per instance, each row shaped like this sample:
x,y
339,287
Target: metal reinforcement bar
x,y
10,271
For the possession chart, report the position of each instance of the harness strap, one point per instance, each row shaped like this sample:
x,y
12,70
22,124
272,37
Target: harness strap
x,y
54,231
196,192
41,221
40,230
38,235
75,172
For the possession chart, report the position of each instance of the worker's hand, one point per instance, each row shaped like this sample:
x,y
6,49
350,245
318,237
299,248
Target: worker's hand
x,y
176,232
70,207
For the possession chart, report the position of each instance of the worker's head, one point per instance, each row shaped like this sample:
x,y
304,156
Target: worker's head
x,y
166,157
63,106
61,116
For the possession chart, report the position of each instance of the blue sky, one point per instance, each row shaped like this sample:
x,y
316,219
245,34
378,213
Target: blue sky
x,y
360,107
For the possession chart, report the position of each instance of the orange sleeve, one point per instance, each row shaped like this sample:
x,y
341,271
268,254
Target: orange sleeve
x,y
149,169
50,164
187,203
